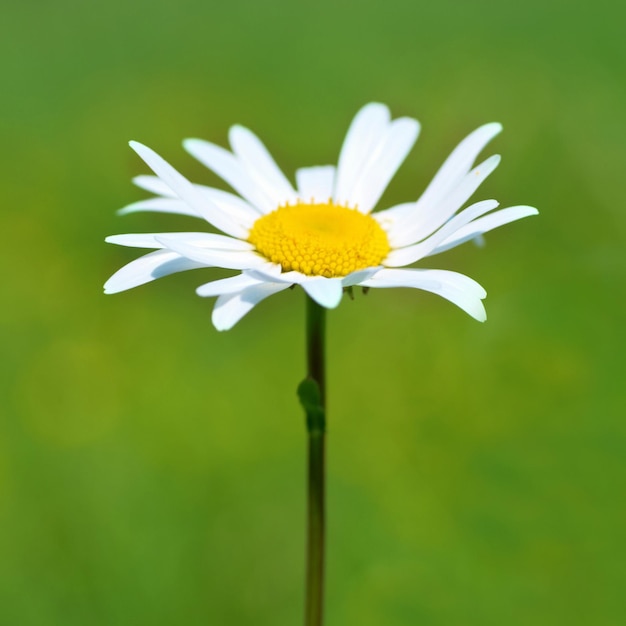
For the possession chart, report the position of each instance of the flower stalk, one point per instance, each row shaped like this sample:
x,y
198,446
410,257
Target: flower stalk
x,y
312,395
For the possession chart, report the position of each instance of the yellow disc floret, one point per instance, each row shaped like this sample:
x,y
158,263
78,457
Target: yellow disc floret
x,y
320,239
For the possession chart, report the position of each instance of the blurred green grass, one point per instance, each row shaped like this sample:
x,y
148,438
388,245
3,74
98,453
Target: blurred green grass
x,y
151,469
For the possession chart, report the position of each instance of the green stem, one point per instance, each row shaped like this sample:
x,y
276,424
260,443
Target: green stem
x,y
313,398
315,346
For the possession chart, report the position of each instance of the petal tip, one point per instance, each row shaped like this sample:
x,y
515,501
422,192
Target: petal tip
x,y
480,314
222,323
327,292
333,304
375,105
237,129
109,288
190,143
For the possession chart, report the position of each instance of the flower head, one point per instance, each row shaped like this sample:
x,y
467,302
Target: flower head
x,y
322,234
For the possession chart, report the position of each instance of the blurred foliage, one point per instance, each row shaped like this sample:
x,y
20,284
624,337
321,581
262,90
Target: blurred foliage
x,y
152,469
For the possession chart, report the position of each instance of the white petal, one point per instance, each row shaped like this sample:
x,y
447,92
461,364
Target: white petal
x,y
424,220
188,192
410,254
270,272
147,268
446,277
356,278
260,165
316,183
274,273
239,212
153,184
226,201
160,205
418,276
390,217
365,132
458,163
383,163
207,240
231,205
230,308
482,225
213,257
228,167
457,288
226,285
326,292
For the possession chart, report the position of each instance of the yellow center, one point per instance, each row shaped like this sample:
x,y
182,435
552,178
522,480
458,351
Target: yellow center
x,y
320,239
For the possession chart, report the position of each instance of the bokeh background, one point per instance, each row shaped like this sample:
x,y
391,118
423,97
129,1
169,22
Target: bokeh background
x,y
152,469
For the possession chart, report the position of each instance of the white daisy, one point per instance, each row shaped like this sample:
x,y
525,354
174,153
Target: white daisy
x,y
322,234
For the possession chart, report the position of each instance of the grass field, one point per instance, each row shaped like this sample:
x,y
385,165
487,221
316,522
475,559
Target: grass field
x,y
152,469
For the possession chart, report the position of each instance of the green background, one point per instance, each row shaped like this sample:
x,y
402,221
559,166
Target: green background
x,y
152,469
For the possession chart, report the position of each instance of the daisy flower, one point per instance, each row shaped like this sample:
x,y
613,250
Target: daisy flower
x,y
322,233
